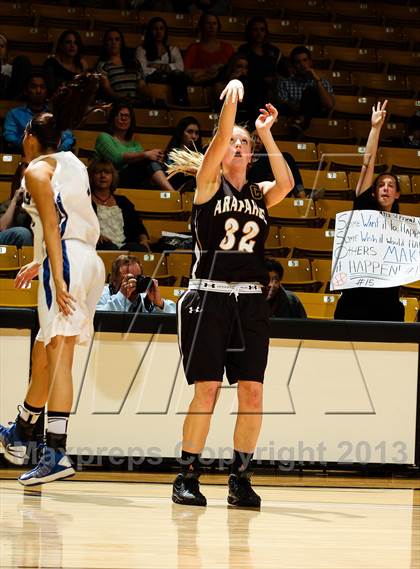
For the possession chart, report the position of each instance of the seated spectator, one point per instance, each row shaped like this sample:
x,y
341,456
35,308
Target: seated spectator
x,y
187,135
13,74
237,68
120,224
135,166
122,75
205,59
15,223
260,169
161,62
304,95
122,293
282,302
16,119
66,62
265,63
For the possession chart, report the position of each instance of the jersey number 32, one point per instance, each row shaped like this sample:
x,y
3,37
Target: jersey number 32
x,y
246,242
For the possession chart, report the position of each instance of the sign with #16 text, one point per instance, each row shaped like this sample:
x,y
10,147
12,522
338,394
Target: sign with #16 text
x,y
375,249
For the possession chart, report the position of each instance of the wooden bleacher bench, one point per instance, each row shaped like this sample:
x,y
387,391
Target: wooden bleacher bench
x,y
307,242
8,165
12,297
326,183
319,305
155,203
295,212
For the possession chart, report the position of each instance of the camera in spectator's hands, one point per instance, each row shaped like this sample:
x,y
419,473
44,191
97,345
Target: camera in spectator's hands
x,y
143,283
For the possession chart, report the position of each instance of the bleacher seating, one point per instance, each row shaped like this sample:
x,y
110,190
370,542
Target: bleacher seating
x,y
24,297
365,50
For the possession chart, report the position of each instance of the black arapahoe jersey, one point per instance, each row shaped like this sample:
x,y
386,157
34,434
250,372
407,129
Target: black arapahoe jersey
x,y
229,233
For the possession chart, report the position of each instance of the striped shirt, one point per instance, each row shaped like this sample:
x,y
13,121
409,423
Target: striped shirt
x,y
123,81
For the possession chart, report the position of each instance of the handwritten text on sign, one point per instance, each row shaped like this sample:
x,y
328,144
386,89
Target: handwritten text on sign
x,y
375,249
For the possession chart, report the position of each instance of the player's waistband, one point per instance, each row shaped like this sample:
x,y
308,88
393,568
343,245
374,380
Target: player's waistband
x,y
225,287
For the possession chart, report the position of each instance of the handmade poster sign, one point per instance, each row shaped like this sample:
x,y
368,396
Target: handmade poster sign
x,y
375,249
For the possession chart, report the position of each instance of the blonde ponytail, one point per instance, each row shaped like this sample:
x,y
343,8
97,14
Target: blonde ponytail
x,y
184,161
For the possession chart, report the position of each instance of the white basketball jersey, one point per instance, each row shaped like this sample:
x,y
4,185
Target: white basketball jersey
x,y
75,214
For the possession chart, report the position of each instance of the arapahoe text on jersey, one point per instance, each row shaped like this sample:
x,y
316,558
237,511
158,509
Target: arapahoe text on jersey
x,y
230,203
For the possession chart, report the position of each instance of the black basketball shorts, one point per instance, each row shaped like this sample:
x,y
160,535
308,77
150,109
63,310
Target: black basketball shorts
x,y
221,331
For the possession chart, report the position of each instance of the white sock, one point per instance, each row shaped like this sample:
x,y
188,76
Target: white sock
x,y
57,424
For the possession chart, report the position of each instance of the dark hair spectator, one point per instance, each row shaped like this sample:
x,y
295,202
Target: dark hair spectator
x,y
122,75
237,68
187,135
161,62
16,119
135,165
120,225
282,302
381,194
305,94
67,60
265,62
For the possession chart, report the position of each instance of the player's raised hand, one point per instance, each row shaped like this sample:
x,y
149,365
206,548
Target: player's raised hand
x,y
233,92
379,114
266,118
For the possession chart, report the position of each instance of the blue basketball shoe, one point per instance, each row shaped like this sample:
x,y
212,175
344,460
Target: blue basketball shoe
x,y
53,465
15,449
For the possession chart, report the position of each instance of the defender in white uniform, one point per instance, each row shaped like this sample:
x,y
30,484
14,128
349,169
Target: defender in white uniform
x,y
71,279
83,269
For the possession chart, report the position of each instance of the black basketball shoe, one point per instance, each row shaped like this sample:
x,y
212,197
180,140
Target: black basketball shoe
x,y
186,490
241,493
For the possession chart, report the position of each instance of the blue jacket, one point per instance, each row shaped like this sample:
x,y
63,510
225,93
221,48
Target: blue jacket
x,y
15,123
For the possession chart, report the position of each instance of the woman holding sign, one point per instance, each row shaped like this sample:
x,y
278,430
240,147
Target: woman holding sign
x,y
380,194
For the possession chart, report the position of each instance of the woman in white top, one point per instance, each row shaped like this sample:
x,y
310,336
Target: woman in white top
x,y
71,279
161,62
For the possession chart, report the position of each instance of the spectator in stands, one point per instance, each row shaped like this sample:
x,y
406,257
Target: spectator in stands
x,y
161,62
304,95
15,223
122,75
381,194
122,293
13,73
237,68
187,135
135,166
265,63
66,62
282,303
16,119
205,59
120,225
261,170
